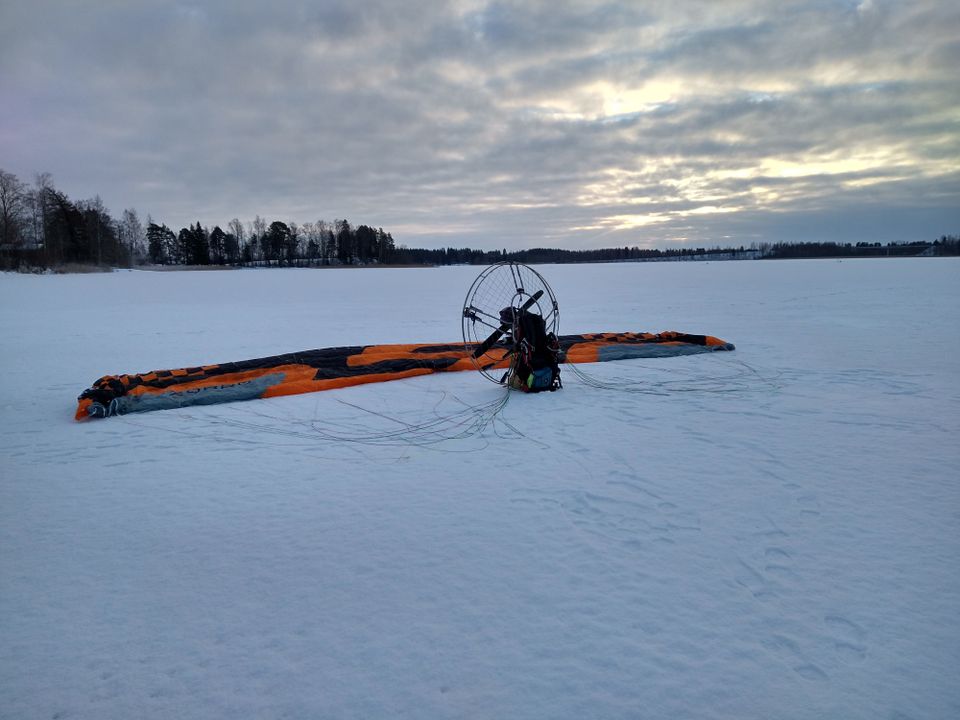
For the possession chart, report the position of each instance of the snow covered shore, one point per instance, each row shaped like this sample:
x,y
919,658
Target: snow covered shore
x,y
768,533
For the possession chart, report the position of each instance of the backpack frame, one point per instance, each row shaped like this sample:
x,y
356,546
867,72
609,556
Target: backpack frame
x,y
536,354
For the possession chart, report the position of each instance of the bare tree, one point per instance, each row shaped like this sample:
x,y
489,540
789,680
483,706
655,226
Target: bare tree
x,y
327,248
12,208
257,235
132,235
259,227
236,227
42,187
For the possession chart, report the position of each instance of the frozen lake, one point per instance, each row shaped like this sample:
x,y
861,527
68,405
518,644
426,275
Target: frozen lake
x,y
772,532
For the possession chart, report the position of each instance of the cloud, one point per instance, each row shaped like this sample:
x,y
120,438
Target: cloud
x,y
496,123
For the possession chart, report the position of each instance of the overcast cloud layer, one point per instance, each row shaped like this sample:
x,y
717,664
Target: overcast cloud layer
x,y
498,124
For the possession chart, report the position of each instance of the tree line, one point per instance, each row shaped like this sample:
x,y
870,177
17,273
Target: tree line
x,y
945,245
40,227
942,246
277,244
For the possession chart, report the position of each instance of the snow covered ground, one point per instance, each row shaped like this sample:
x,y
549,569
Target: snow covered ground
x,y
768,533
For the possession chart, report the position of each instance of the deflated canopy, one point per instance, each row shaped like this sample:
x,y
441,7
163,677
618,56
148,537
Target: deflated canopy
x,y
331,368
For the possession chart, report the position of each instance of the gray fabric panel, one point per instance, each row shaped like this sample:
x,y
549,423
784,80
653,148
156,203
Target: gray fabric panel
x,y
653,350
232,392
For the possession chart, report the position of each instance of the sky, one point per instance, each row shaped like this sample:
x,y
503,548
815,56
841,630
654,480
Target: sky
x,y
498,124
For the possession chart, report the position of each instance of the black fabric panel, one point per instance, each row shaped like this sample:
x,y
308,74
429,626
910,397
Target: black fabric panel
x,y
385,366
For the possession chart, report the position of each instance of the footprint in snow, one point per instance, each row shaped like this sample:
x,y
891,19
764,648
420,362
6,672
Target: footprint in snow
x,y
754,581
789,651
849,639
809,505
611,518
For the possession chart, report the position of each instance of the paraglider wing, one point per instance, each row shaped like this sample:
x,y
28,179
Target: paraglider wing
x,y
340,367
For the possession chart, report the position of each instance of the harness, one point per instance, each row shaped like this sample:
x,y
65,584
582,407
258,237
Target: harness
x,y
536,353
